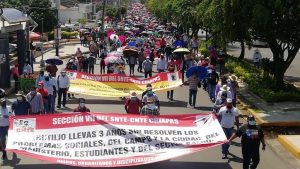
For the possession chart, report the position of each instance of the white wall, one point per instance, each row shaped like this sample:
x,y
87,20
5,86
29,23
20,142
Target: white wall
x,y
70,13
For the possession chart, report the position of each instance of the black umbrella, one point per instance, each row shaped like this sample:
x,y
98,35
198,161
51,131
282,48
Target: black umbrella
x,y
54,61
130,52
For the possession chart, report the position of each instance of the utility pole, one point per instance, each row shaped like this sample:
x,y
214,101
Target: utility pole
x,y
103,15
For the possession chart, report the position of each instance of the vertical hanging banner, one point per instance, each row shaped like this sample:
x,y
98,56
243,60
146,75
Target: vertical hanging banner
x,y
119,85
112,140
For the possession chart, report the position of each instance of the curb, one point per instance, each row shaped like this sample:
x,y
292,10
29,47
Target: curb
x,y
289,145
266,123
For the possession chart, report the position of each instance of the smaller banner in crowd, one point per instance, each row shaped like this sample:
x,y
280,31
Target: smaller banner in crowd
x,y
112,140
119,85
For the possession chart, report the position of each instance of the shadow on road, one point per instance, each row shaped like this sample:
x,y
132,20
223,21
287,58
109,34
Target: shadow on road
x,y
164,165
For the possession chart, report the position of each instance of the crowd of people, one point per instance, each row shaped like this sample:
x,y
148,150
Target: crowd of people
x,y
51,91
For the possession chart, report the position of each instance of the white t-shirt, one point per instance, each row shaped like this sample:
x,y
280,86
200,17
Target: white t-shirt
x,y
4,121
228,116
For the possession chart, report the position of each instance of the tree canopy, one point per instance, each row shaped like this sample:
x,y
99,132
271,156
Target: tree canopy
x,y
273,21
37,9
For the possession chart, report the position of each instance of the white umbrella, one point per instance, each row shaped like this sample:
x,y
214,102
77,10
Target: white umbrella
x,y
113,36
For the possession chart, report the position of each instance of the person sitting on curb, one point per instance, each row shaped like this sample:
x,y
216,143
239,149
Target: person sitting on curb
x,y
81,107
133,104
150,108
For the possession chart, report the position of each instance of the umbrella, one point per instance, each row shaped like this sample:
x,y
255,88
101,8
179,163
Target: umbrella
x,y
201,72
113,59
54,61
35,36
129,32
182,50
115,53
113,36
132,43
130,52
149,32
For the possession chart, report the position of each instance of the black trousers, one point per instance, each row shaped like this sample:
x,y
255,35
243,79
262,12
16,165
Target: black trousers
x,y
131,69
170,94
148,73
91,69
102,69
62,92
249,156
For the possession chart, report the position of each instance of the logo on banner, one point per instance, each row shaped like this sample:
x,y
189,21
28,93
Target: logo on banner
x,y
24,125
173,77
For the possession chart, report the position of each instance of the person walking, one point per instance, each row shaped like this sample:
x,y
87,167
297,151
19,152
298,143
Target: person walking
x,y
16,76
171,69
131,61
4,125
133,104
63,84
45,96
81,106
193,82
234,86
141,59
150,108
36,101
212,82
21,106
256,58
161,64
50,86
27,69
147,66
92,62
229,117
252,135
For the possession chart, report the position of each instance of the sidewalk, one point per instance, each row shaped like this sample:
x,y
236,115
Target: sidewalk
x,y
270,114
64,52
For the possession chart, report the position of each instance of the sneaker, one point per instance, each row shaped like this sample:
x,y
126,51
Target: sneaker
x,y
224,156
58,107
64,106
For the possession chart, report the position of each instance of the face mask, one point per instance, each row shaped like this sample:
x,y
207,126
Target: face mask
x,y
252,123
81,104
19,98
149,88
40,87
229,106
63,74
33,91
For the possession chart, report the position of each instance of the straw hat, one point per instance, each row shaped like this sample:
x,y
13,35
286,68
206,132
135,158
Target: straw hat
x,y
132,94
225,88
20,93
233,77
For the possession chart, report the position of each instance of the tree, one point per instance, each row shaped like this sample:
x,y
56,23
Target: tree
x,y
38,9
277,22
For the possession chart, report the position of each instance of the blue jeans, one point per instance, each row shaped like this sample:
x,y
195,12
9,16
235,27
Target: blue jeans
x,y
192,97
51,103
211,91
3,135
225,147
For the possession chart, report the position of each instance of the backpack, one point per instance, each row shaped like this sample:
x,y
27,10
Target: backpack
x,y
213,78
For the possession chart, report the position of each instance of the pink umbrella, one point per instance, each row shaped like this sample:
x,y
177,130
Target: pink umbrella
x,y
122,38
113,59
115,53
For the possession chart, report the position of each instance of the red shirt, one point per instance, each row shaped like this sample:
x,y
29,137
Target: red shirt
x,y
82,110
44,94
133,106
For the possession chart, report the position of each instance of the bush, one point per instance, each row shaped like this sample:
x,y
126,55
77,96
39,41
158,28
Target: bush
x,y
259,83
64,35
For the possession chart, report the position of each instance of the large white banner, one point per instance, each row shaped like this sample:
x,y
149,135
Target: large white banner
x,y
112,140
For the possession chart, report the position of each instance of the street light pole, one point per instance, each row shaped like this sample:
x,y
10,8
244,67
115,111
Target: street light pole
x,y
57,40
103,13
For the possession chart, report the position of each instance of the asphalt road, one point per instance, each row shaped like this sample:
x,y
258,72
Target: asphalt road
x,y
292,73
210,158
